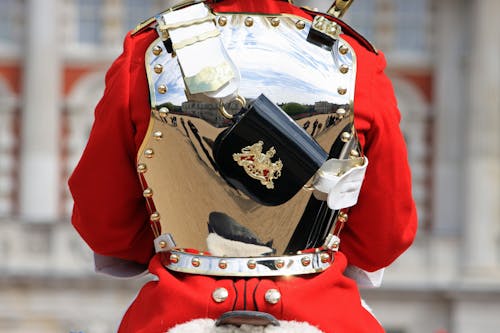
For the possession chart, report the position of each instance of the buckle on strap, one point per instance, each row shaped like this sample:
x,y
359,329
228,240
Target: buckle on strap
x,y
199,263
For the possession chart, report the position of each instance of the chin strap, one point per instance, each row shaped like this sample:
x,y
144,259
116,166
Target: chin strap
x,y
339,7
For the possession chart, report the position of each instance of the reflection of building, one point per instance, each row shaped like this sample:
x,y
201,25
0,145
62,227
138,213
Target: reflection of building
x,y
449,104
208,111
323,107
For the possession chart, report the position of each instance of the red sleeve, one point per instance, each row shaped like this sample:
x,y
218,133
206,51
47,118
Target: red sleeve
x,y
383,223
109,209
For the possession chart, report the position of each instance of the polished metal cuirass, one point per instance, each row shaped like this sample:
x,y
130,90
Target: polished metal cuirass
x,y
314,85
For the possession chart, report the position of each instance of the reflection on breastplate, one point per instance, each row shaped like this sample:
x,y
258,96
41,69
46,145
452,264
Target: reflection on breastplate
x,y
180,177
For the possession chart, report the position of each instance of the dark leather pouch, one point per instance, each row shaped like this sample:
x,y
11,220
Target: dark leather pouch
x,y
266,154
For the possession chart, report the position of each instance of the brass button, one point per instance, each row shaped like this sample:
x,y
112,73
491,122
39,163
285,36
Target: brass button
x,y
272,296
141,168
345,137
342,90
158,68
157,50
249,21
149,153
305,261
174,258
251,264
148,192
155,216
163,112
222,21
344,69
300,24
196,262
158,135
222,264
343,49
162,89
275,21
220,295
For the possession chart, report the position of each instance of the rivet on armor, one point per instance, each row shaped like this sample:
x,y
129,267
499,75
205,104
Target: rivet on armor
x,y
343,217
158,68
163,112
148,193
333,29
251,264
222,21
149,153
343,49
157,50
342,90
325,257
196,262
354,153
158,135
344,69
141,168
299,252
222,264
341,112
345,136
220,295
272,296
174,258
155,217
249,21
280,263
275,21
305,261
162,89
300,24
162,244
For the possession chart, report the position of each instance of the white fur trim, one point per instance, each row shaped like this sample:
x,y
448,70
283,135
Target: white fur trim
x,y
208,326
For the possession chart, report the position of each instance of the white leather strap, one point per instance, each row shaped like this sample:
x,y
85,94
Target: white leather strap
x,y
206,66
340,181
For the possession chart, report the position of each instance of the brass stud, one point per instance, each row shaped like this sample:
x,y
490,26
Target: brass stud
x,y
341,112
324,257
299,252
345,136
343,49
155,217
174,258
343,217
158,135
158,68
249,21
220,295
272,296
317,250
280,263
157,50
163,112
344,69
142,168
222,264
149,153
162,244
354,153
275,21
251,264
162,89
148,193
222,21
332,29
305,261
300,24
342,90
195,262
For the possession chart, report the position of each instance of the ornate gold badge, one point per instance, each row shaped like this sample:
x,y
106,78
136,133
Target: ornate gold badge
x,y
258,165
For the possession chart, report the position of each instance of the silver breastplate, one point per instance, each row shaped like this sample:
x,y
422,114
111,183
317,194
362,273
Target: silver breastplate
x,y
181,183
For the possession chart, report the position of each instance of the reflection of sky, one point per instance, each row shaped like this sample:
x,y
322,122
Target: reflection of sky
x,y
274,62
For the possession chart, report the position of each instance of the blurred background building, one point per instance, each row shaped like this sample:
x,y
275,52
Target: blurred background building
x,y
443,58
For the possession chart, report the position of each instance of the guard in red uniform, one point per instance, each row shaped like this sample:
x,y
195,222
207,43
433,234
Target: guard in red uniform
x,y
249,153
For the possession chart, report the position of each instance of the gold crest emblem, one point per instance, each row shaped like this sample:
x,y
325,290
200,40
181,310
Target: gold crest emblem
x,y
259,165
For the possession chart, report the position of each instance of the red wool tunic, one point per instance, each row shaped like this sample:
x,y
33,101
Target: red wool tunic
x,y
111,215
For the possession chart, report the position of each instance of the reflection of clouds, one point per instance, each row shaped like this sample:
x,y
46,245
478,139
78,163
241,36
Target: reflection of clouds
x,y
273,62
